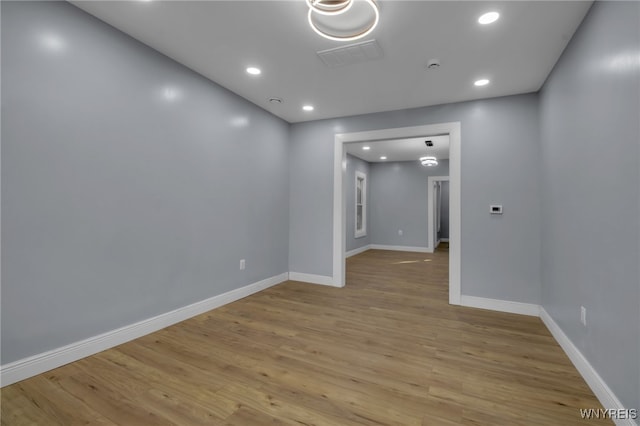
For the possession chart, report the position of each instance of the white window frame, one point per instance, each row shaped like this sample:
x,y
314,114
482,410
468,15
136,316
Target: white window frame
x,y
362,232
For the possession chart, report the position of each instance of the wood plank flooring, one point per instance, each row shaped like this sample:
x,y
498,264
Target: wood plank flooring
x,y
385,350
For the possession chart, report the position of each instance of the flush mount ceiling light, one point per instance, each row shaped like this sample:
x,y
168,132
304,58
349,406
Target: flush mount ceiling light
x,y
329,7
366,148
383,158
481,82
342,20
253,70
429,161
308,107
488,18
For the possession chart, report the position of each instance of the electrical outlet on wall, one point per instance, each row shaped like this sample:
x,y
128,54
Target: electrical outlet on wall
x,y
583,315
242,264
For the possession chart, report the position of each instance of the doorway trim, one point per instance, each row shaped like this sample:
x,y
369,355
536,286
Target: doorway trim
x,y
431,225
339,206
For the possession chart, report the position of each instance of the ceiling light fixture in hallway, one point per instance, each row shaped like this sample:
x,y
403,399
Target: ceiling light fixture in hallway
x,y
343,20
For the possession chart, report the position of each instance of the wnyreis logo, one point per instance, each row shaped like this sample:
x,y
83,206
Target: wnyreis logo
x,y
609,413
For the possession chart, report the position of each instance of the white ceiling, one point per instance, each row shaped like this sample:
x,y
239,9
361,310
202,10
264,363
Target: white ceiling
x,y
220,39
400,149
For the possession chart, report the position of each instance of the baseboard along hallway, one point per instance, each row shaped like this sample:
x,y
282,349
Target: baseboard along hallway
x,y
385,349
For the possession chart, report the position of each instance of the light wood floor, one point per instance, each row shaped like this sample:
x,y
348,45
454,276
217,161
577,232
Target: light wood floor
x,y
385,350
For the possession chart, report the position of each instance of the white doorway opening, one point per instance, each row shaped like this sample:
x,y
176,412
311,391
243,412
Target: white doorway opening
x,y
432,208
339,207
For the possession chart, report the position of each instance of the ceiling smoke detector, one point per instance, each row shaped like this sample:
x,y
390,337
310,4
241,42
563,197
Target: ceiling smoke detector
x,y
433,64
276,101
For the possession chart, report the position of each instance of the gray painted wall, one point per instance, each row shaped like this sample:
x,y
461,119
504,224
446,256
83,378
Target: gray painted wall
x,y
118,204
311,209
399,202
444,210
591,203
355,164
500,137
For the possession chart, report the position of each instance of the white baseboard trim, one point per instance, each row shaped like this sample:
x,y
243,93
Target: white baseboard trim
x,y
311,278
500,305
401,248
604,394
37,364
357,251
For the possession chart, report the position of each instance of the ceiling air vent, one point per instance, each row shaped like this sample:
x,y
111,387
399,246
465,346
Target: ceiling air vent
x,y
429,143
364,51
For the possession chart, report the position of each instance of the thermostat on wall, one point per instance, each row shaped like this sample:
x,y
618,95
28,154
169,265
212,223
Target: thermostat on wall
x,y
495,209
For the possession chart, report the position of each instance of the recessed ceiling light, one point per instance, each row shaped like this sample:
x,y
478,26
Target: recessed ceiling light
x,y
383,158
481,82
253,70
308,108
366,148
488,18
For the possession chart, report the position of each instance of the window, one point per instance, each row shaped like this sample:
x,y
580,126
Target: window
x,y
361,205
